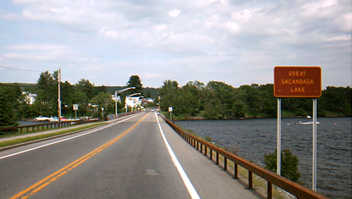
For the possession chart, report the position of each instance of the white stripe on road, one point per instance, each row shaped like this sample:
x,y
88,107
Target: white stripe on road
x,y
190,188
70,138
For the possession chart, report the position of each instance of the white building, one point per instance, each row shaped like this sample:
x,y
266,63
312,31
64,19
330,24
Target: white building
x,y
133,102
29,97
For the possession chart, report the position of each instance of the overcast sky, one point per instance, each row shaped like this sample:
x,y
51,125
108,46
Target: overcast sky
x,y
238,42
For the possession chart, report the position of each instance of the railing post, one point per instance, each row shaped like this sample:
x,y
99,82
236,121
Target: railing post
x,y
225,163
217,157
211,153
205,150
235,170
250,179
269,190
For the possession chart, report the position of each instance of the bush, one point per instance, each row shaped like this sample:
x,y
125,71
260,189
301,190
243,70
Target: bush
x,y
289,164
208,139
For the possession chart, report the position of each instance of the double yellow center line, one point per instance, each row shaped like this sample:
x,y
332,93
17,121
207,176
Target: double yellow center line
x,y
56,175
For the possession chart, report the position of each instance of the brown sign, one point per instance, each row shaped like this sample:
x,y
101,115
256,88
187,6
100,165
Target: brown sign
x,y
297,81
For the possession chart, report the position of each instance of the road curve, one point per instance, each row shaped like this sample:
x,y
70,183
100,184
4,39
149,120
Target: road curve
x,y
127,159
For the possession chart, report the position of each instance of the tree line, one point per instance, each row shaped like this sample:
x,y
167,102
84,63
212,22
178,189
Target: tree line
x,y
14,105
218,100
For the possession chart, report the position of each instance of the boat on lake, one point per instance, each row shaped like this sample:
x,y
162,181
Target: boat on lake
x,y
306,122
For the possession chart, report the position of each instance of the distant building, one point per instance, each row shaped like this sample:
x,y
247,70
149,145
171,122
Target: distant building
x,y
29,97
133,102
148,100
118,99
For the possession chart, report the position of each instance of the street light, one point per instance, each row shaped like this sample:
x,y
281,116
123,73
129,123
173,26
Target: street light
x,y
118,92
134,94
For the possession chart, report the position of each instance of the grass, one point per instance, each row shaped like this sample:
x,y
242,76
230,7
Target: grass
x,y
259,184
32,138
16,133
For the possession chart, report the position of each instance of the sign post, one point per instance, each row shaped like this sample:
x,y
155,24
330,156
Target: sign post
x,y
75,108
278,138
298,82
314,159
170,111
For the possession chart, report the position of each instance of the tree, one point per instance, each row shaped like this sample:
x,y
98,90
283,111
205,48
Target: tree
x,y
103,100
169,96
220,100
9,102
86,87
289,164
135,81
46,101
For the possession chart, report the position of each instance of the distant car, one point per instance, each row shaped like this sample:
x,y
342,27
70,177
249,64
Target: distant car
x,y
46,119
64,119
42,119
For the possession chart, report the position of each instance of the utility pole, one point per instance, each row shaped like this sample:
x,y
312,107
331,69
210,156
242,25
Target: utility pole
x,y
59,96
115,104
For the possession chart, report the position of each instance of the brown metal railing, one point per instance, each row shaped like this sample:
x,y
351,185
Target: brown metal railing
x,y
271,178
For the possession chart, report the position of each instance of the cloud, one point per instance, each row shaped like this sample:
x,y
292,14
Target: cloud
x,y
345,22
344,38
232,27
109,33
38,47
320,8
36,52
160,27
220,37
174,12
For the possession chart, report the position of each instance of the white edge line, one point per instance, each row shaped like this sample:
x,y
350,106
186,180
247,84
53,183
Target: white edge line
x,y
62,140
190,188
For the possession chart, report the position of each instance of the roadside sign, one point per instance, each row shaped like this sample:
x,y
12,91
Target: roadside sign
x,y
75,107
170,109
297,81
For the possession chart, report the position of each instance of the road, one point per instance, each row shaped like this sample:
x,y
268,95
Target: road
x,y
137,157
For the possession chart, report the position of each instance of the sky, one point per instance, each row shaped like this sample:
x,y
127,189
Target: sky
x,y
238,42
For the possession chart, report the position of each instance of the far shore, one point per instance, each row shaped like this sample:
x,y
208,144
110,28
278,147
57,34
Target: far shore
x,y
198,118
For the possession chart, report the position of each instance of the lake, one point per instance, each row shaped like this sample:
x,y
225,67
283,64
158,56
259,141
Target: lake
x,y
253,138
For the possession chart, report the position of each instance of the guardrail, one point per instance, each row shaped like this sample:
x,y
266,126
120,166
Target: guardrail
x,y
52,125
271,178
44,126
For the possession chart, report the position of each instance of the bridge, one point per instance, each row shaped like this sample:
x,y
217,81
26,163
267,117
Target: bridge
x,y
137,156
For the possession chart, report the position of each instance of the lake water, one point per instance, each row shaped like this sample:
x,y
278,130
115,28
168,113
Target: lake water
x,y
255,137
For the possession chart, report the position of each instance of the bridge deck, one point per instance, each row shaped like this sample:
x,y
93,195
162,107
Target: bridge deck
x,y
127,159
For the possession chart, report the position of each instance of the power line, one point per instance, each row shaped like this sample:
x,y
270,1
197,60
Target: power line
x,y
18,68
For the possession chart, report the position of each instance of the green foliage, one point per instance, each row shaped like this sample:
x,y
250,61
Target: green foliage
x,y
215,100
218,100
135,81
10,97
151,92
208,139
90,98
289,164
103,100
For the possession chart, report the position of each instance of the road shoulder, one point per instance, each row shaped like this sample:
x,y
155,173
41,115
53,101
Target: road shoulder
x,y
209,180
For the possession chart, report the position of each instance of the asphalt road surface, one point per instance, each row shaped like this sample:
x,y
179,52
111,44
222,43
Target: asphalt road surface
x,y
137,157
